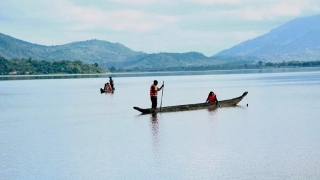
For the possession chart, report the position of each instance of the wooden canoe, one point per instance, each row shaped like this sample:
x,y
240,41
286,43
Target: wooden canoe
x,y
224,103
105,91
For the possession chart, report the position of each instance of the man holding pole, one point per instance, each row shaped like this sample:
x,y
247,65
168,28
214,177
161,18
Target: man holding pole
x,y
154,94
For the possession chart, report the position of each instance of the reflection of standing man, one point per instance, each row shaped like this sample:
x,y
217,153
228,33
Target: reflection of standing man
x,y
154,94
155,133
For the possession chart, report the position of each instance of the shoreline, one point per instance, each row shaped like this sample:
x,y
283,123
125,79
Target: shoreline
x,y
158,73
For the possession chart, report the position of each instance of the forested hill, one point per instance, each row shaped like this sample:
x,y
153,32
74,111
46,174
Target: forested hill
x,y
105,53
298,39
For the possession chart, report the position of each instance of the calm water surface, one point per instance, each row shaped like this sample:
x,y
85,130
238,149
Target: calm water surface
x,y
65,129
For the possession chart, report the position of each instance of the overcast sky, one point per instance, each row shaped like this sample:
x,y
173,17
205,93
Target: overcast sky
x,y
151,26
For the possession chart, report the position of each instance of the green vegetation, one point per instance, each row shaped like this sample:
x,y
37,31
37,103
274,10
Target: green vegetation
x,y
29,67
35,67
226,66
293,64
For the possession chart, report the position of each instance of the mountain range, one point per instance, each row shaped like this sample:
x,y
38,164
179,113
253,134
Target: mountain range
x,y
298,39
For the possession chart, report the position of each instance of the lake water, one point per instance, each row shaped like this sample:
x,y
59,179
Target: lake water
x,y
63,128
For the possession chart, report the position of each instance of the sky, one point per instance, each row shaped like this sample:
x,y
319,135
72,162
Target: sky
x,y
150,26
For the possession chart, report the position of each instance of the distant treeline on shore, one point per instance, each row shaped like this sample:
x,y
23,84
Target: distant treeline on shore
x,y
35,67
229,66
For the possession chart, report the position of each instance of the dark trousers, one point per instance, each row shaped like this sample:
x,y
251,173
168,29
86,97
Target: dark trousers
x,y
154,101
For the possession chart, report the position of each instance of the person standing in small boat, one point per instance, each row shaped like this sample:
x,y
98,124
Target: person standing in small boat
x,y
111,82
212,98
154,94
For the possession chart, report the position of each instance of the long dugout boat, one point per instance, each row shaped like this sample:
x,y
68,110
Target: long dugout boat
x,y
187,107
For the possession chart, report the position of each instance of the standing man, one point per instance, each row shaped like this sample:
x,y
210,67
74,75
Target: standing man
x,y
111,83
154,94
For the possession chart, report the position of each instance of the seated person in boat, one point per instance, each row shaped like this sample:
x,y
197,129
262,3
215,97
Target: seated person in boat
x,y
107,87
212,98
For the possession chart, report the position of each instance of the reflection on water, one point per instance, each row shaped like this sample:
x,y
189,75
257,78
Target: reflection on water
x,y
212,111
155,132
49,128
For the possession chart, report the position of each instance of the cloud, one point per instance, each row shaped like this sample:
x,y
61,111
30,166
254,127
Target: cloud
x,y
147,25
214,2
82,18
140,2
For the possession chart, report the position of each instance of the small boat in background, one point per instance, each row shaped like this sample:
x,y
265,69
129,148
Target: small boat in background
x,y
224,103
106,91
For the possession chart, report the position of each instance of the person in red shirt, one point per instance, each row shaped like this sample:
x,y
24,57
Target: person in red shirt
x,y
154,94
212,98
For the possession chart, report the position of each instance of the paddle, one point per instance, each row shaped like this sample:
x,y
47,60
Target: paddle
x,y
218,102
161,95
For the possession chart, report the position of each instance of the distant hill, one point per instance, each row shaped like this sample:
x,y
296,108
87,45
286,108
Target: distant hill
x,y
171,60
298,39
104,53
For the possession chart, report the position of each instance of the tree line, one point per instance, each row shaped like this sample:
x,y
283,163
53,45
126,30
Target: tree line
x,y
226,66
35,67
293,64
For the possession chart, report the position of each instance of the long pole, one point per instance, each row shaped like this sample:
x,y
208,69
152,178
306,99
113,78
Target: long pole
x,y
162,95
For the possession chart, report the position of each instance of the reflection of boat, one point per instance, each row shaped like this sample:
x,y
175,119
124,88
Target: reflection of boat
x,y
106,91
224,103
